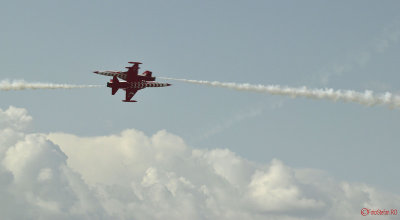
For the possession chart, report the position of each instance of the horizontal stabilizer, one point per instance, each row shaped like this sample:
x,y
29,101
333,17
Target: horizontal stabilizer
x,y
114,85
114,90
129,101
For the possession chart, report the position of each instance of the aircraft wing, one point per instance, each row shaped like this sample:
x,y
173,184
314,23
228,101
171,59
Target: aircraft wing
x,y
120,75
132,73
129,94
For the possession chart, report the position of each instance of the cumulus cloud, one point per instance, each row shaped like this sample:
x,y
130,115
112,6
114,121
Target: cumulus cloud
x,y
131,175
35,181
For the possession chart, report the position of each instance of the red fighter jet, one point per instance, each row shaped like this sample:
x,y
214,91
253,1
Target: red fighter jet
x,y
133,81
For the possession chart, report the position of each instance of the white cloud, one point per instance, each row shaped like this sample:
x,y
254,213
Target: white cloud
x,y
12,121
276,189
134,176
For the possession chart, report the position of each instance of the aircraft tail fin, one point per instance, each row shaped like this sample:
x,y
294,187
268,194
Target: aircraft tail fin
x,y
147,73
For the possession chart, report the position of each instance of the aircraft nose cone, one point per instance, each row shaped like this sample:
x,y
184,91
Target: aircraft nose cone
x,y
168,84
96,72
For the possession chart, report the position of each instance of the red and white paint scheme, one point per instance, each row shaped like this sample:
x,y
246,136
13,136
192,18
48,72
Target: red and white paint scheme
x,y
133,81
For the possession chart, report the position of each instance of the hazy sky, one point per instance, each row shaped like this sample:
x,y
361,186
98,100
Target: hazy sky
x,y
335,44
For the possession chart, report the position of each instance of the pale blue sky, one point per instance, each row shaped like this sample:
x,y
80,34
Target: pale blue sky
x,y
338,44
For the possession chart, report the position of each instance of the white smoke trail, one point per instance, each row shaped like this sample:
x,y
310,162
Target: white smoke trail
x,y
367,98
7,85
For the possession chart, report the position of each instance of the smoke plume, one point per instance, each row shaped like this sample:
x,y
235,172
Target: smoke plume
x,y
7,85
367,98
